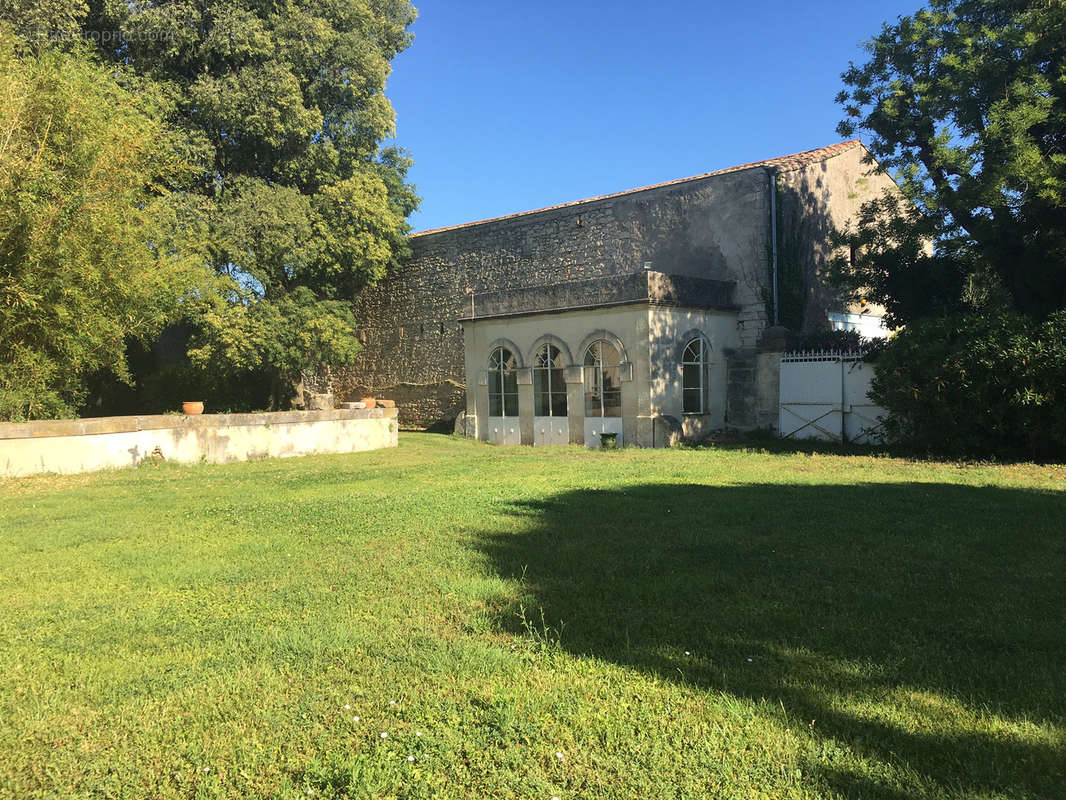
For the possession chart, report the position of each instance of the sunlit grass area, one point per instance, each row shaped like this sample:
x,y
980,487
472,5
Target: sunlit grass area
x,y
450,619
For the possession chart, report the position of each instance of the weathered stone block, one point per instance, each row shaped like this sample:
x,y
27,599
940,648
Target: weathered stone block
x,y
320,401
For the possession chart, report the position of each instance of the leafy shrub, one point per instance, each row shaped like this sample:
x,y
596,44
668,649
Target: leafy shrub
x,y
985,386
831,340
33,386
163,377
223,390
89,253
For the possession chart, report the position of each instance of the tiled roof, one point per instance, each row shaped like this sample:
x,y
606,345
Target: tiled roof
x,y
781,163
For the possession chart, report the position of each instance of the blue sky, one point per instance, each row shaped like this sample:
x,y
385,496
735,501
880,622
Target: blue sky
x,y
509,106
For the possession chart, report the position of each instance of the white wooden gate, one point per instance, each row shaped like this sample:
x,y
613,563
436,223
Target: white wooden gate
x,y
825,395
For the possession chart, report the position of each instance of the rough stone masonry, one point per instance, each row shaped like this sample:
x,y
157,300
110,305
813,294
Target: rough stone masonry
x,y
714,226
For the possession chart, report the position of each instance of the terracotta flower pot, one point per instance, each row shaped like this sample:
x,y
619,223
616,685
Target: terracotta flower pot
x,y
370,401
193,407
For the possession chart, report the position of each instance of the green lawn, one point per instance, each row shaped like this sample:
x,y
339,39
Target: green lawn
x,y
535,624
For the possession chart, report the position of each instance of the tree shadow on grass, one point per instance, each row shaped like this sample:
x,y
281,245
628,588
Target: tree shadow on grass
x,y
835,602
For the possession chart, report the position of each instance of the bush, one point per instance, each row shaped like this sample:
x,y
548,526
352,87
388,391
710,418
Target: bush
x,y
163,377
90,253
984,386
831,340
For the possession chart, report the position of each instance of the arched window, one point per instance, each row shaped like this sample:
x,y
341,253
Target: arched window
x,y
603,391
549,385
695,388
503,384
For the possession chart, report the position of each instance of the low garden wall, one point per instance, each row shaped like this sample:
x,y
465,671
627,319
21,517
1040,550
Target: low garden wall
x,y
83,445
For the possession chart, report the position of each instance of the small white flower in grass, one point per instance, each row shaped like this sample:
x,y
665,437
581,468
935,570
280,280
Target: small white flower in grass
x,y
347,707
410,758
687,653
355,719
559,756
207,769
384,735
392,702
418,733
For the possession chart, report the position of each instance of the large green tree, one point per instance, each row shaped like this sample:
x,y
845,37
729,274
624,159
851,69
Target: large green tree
x,y
93,250
283,105
966,101
40,24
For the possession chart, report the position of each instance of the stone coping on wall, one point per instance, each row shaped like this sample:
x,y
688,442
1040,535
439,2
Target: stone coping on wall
x,y
97,425
646,286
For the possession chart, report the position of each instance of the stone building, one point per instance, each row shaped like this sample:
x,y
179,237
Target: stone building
x,y
645,313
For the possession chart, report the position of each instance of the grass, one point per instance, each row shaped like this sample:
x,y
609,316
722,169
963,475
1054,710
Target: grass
x,y
536,623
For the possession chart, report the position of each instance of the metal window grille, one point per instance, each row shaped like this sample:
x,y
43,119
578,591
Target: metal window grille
x,y
503,384
603,389
549,384
694,383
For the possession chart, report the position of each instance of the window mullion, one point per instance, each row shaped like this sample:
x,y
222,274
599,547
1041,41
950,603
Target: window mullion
x,y
603,383
550,409
700,375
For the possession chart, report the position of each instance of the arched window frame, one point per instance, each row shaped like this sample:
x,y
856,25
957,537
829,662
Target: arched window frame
x,y
603,386
503,383
695,383
549,382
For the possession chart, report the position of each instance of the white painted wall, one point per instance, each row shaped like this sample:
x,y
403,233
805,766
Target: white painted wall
x,y
670,330
503,430
652,339
551,430
572,332
870,326
73,446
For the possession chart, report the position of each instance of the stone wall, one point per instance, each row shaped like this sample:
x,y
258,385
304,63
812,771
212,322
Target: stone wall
x,y
714,227
815,200
423,406
752,388
71,446
645,287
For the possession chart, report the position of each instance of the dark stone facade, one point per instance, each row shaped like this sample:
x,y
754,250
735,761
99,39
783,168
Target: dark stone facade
x,y
715,228
413,345
647,286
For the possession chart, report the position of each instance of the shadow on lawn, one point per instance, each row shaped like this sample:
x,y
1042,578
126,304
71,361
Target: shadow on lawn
x,y
824,600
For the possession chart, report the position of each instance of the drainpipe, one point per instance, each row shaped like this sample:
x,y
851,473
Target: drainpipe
x,y
773,236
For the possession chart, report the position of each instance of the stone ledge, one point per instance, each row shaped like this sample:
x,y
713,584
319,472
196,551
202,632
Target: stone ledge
x,y
98,425
647,287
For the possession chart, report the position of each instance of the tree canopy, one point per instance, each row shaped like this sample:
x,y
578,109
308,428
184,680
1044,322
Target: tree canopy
x,y
89,250
966,102
283,107
149,145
